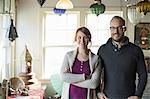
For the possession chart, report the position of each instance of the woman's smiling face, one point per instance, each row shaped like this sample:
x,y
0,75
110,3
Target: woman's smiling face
x,y
81,39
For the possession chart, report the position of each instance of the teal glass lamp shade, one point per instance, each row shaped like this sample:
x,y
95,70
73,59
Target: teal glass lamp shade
x,y
59,11
97,8
57,83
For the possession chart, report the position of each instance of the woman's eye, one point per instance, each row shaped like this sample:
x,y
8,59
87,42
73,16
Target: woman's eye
x,y
79,37
86,38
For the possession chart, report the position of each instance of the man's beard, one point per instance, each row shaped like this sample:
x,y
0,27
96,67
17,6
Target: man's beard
x,y
119,40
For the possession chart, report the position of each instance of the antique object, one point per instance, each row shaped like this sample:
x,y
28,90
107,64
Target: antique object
x,y
64,4
143,6
28,60
28,76
97,8
41,2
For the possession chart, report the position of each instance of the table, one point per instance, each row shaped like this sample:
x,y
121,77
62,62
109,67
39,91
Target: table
x,y
37,93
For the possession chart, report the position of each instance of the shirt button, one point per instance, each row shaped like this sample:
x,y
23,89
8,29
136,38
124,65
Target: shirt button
x,y
80,69
81,66
115,50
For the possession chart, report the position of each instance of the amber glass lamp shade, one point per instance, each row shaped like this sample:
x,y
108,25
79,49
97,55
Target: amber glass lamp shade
x,y
64,4
143,7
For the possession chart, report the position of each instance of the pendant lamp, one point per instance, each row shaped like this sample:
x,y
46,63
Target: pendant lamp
x,y
59,11
143,7
138,12
97,8
64,4
41,2
134,16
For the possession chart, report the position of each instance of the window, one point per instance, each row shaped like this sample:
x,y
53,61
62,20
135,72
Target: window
x,y
59,34
99,27
3,46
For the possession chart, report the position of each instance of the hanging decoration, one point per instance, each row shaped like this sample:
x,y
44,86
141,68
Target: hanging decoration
x,y
41,2
64,4
143,7
59,11
138,12
97,8
12,32
134,16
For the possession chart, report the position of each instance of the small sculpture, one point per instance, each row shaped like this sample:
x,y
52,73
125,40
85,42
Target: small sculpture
x,y
15,83
4,91
24,91
28,60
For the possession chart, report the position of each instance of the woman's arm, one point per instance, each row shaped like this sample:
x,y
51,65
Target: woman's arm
x,y
94,81
66,74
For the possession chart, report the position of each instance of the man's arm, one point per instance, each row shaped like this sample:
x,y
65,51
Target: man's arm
x,y
142,74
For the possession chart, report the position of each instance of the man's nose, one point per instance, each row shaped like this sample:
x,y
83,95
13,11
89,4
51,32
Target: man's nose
x,y
116,30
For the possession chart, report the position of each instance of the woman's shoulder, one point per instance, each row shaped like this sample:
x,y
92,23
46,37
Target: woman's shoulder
x,y
71,53
93,55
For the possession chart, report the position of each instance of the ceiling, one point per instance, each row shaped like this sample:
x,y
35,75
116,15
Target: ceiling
x,y
87,3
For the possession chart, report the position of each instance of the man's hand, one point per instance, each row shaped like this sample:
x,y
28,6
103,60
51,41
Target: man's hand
x,y
101,96
133,97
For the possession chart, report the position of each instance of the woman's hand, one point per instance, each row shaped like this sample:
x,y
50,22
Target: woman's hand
x,y
87,76
133,97
101,95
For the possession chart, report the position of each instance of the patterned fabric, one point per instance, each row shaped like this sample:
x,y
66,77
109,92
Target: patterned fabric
x,y
33,94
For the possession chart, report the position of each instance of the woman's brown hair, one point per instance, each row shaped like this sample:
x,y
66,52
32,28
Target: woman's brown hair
x,y
85,31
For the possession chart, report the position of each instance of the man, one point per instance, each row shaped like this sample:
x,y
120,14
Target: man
x,y
121,61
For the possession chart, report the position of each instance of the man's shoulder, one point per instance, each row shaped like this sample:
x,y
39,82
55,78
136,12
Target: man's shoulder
x,y
134,46
103,46
135,49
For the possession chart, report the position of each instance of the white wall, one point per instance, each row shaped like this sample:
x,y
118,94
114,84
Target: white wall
x,y
28,31
29,27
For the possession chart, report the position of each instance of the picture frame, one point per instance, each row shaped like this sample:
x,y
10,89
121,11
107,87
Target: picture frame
x,y
147,63
142,35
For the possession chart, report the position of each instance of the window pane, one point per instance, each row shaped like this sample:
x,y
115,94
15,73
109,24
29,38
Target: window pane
x,y
59,36
53,59
60,29
99,26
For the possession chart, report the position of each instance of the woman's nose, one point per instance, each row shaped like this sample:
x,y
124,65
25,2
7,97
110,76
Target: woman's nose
x,y
82,40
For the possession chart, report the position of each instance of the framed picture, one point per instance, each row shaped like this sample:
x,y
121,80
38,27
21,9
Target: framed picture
x,y
147,62
142,35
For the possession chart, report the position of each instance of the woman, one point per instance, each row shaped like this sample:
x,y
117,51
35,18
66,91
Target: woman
x,y
80,69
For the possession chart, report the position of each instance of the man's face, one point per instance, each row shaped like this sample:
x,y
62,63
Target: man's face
x,y
117,30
